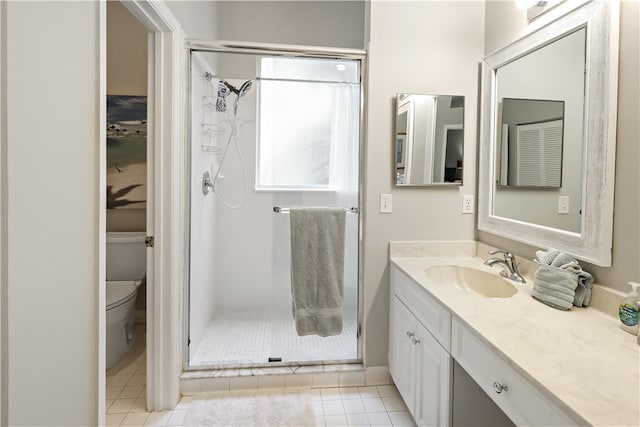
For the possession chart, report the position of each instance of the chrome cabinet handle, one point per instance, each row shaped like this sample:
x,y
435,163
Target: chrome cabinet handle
x,y
415,341
410,334
499,388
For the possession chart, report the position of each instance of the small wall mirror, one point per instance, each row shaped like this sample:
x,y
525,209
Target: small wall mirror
x,y
429,139
530,141
547,151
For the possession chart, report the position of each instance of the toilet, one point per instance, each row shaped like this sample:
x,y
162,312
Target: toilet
x,y
126,270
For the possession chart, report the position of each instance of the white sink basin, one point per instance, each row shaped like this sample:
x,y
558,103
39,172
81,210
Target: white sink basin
x,y
472,280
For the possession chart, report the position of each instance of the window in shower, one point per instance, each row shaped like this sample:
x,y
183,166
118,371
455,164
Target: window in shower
x,y
296,131
309,112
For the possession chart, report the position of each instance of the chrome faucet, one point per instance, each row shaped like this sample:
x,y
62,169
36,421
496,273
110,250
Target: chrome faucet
x,y
509,265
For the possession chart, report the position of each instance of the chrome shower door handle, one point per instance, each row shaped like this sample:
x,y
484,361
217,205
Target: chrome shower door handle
x,y
207,185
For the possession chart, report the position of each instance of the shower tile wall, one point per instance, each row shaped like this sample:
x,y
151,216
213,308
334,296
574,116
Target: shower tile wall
x,y
254,255
203,214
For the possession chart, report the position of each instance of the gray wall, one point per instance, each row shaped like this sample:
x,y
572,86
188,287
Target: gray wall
x,y
504,23
50,212
315,23
197,18
415,47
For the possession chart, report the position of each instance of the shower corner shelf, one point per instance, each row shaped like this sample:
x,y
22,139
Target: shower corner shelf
x,y
212,128
211,149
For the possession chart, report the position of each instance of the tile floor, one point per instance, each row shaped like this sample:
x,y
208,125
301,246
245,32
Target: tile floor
x,y
335,406
345,406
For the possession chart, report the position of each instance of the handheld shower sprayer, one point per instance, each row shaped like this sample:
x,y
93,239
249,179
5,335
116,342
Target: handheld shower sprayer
x,y
223,88
242,91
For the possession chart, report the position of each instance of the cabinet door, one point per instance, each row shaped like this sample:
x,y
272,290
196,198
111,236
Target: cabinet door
x,y
401,352
434,379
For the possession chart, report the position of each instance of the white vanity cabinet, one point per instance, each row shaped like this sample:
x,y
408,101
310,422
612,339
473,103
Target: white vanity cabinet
x,y
424,339
419,364
514,394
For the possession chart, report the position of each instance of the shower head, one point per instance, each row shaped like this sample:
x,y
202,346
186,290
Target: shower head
x,y
242,91
245,87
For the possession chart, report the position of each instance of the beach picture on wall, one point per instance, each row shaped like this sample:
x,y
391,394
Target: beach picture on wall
x,y
126,152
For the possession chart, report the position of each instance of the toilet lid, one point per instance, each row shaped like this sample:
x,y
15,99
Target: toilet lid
x,y
119,292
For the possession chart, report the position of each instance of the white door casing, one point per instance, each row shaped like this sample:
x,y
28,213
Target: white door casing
x,y
165,214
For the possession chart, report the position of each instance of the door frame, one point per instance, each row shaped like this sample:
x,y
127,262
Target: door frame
x,y
165,215
259,48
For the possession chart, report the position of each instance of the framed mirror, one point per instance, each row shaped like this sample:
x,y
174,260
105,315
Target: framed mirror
x,y
428,139
548,122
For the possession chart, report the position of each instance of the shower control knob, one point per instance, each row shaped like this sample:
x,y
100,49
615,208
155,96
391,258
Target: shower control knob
x,y
415,341
410,334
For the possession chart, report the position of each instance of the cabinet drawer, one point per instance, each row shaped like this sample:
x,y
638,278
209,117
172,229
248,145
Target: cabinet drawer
x,y
427,310
521,401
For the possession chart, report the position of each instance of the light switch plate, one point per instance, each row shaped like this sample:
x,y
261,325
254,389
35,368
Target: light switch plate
x,y
385,203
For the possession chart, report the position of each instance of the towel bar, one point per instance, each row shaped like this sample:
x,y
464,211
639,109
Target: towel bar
x,y
278,209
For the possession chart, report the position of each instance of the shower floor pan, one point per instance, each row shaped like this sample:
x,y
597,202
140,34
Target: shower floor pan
x,y
237,338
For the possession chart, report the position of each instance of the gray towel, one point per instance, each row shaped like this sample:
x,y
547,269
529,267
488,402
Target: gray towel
x,y
563,261
583,291
555,286
317,269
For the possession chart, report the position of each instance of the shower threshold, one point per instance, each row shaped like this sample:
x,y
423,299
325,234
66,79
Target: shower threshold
x,y
299,371
288,367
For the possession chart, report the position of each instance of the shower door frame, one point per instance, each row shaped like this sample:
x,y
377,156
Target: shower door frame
x,y
251,48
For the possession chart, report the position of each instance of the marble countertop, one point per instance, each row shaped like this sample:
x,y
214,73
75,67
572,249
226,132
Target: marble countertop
x,y
579,358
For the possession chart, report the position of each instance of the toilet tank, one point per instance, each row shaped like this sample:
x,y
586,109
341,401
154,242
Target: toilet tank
x,y
126,255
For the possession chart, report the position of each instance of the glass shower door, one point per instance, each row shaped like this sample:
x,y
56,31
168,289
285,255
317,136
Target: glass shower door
x,y
309,142
291,138
285,344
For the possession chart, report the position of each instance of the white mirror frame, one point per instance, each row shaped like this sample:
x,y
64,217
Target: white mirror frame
x,y
593,243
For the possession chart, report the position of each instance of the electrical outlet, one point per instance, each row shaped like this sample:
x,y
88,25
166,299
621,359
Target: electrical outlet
x,y
385,203
563,205
467,204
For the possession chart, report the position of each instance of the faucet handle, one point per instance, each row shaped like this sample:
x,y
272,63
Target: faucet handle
x,y
500,251
509,261
508,257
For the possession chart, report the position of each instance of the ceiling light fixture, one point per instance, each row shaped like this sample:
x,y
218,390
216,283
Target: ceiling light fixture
x,y
536,8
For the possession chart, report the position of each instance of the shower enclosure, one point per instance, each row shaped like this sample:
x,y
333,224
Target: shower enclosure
x,y
269,131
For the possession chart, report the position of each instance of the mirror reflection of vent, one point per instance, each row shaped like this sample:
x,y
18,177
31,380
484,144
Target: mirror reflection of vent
x,y
539,154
